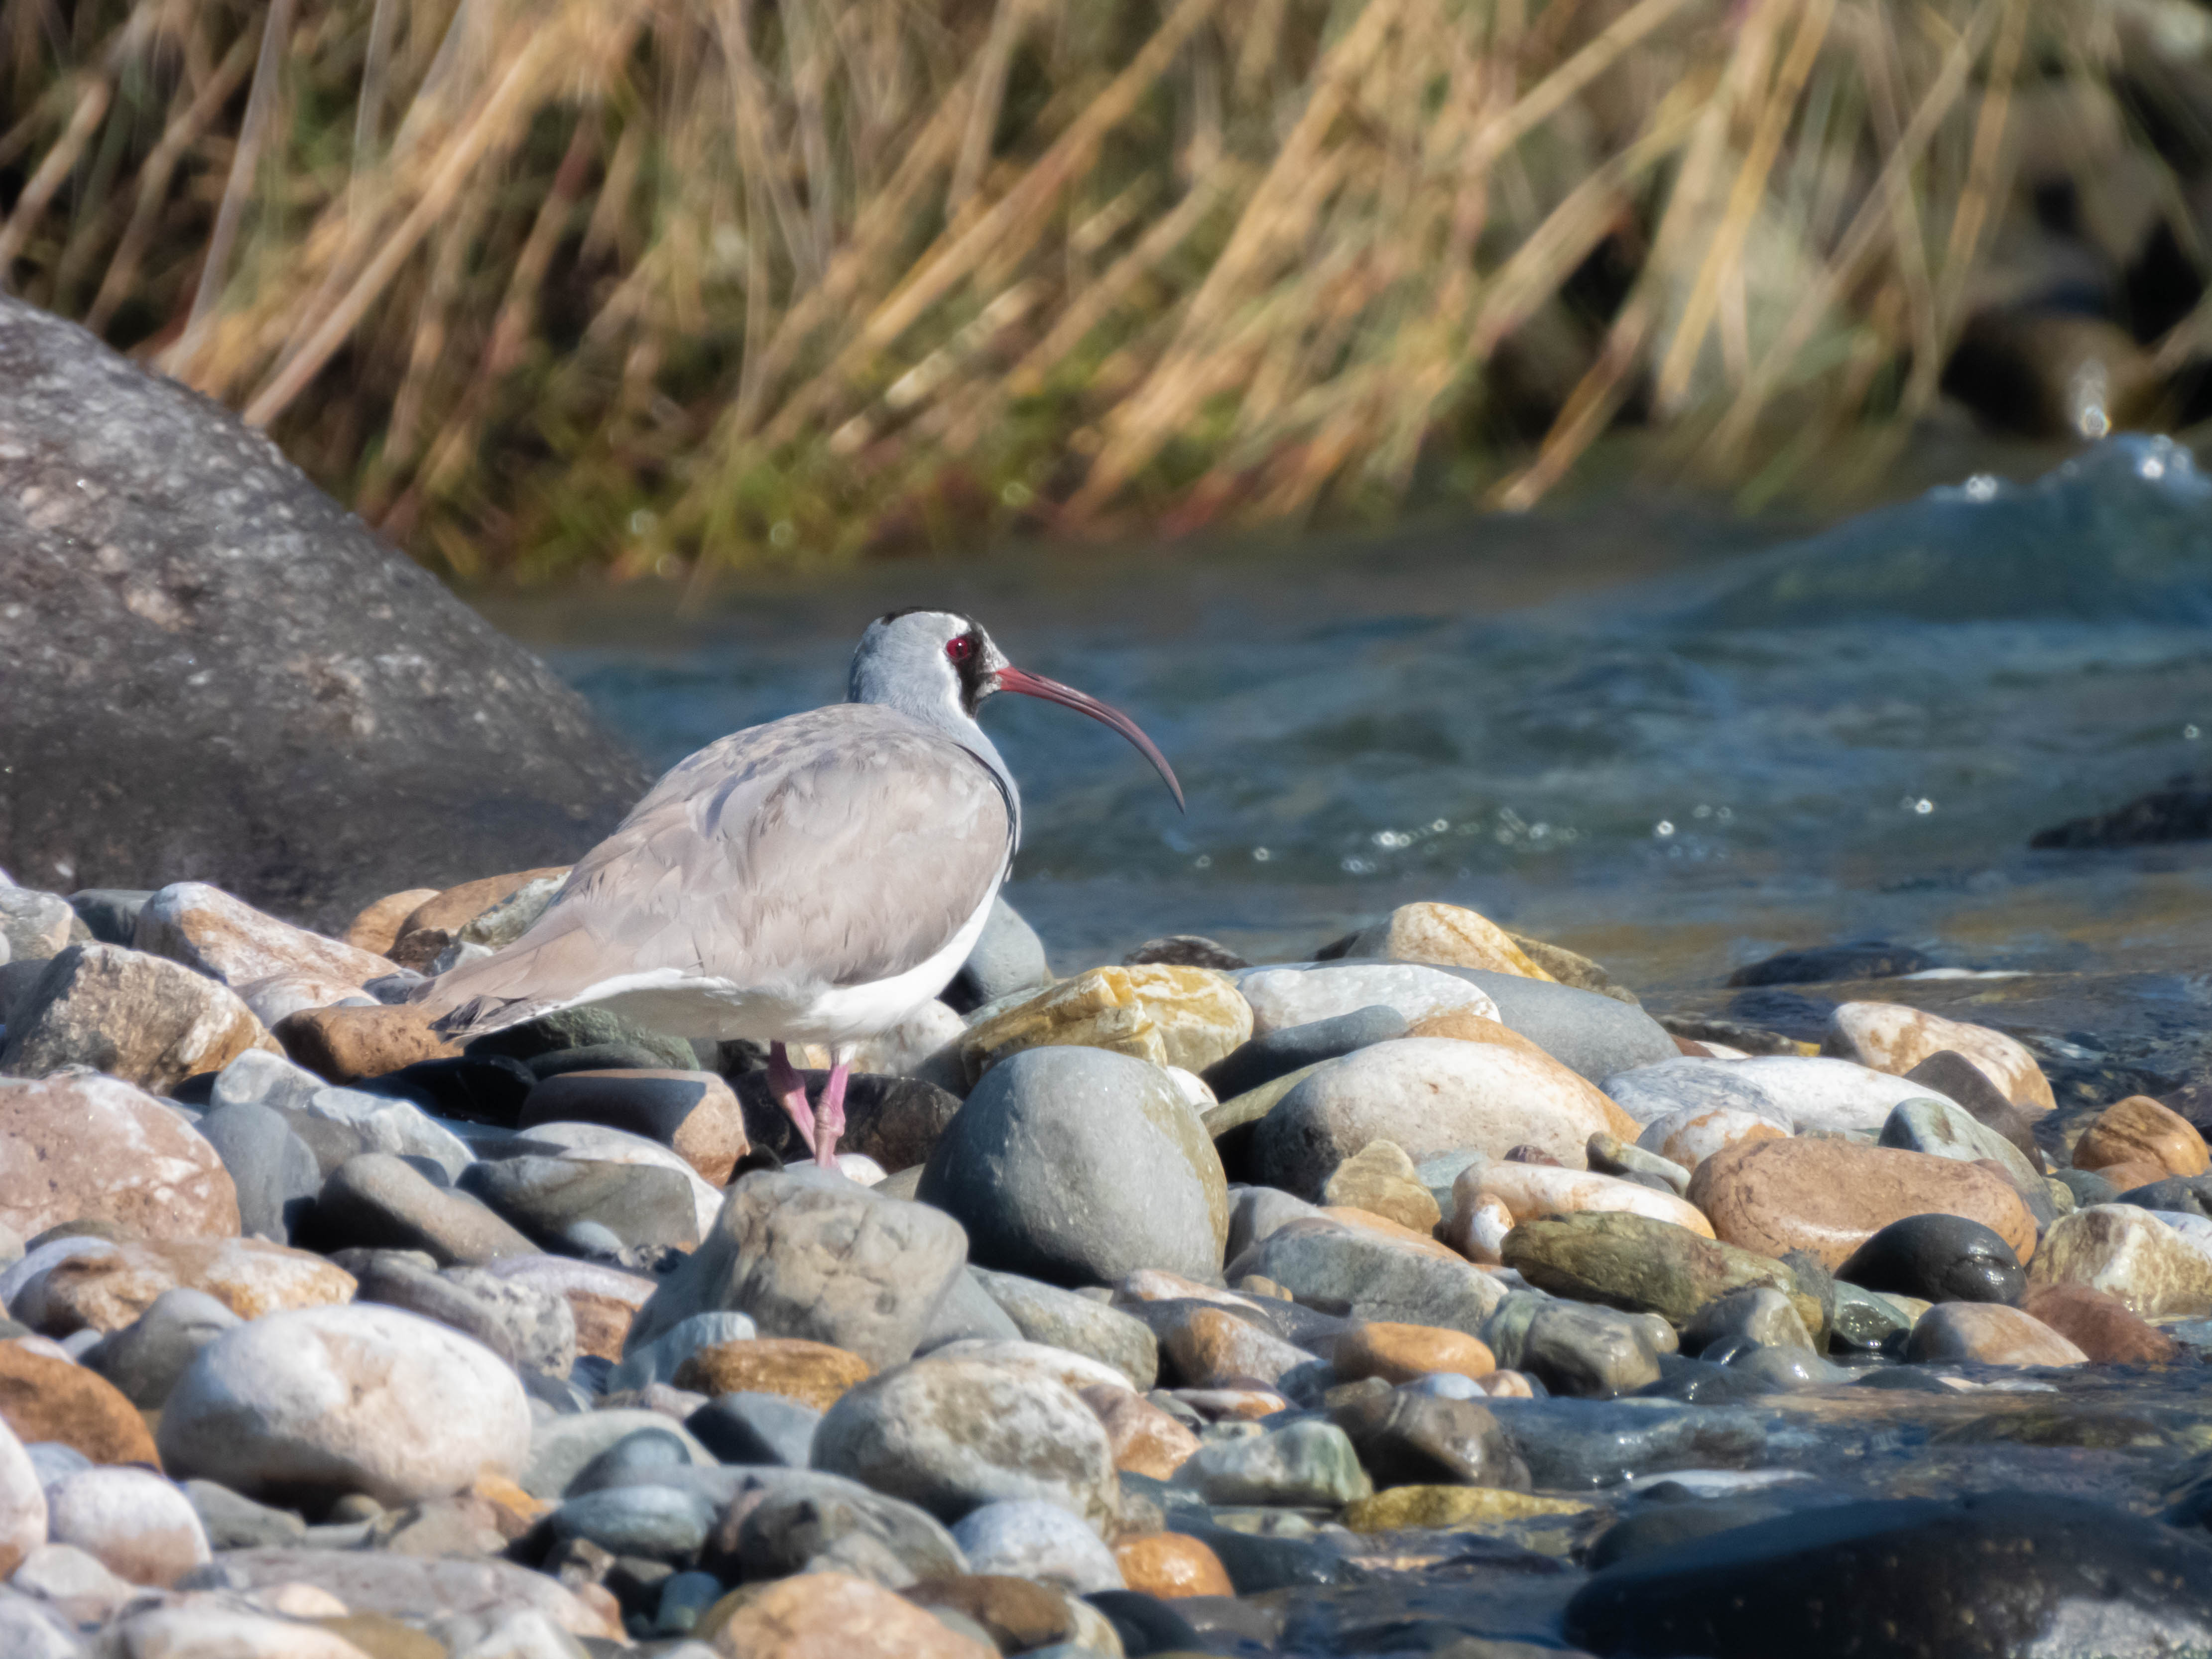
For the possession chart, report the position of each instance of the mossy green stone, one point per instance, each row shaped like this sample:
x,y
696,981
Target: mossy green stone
x,y
1642,1265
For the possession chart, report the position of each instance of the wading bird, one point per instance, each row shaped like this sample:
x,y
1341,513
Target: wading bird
x,y
815,880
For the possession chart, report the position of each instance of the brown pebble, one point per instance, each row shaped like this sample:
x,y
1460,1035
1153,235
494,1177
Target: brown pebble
x,y
342,1045
813,1373
2138,1130
1170,1563
2101,1325
43,1398
1399,1353
376,929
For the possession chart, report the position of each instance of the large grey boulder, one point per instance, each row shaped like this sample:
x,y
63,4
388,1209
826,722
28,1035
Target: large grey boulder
x,y
210,666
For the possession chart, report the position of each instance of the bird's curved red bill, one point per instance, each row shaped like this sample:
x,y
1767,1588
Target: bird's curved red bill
x,y
1036,685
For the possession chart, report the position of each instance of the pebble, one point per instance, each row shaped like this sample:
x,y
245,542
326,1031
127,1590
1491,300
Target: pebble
x,y
1943,1131
594,1143
1757,1314
1283,999
1407,1437
1795,1092
661,1359
694,1113
131,1016
815,1374
74,1584
1987,1334
1584,1352
1008,959
78,1147
389,1125
1382,1180
1828,1197
799,1520
1046,1313
1446,935
832,1613
43,1398
1305,1463
343,1045
1688,1135
106,1289
1610,1155
229,940
1938,1258
603,1301
380,1200
279,996
1024,1538
527,1328
23,1504
324,1401
1145,1440
1267,1057
1203,1346
414,1590
1631,1261
1159,1013
1572,1444
1452,1506
1400,1353
562,1448
2100,1325
659,1523
1076,1165
1169,1565
1953,1076
640,1207
894,1121
1890,1037
1372,1276
135,1523
1074,1371
2130,1254
2140,1130
145,1357
813,1255
34,926
1592,1034
375,928
1428,1095
1533,1191
273,1174
745,1426
2081,1577
967,1314
951,1436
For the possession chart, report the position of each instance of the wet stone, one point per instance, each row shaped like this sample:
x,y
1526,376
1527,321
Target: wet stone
x,y
1938,1258
1306,1463
1407,1438
1572,1349
1573,1444
1046,1313
2083,1577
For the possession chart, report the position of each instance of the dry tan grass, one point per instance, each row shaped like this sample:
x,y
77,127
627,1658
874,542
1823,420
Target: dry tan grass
x,y
701,283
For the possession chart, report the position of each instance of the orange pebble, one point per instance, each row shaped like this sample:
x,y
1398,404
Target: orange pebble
x,y
1167,1564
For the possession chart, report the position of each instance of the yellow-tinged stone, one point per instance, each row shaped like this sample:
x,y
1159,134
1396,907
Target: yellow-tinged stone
x,y
1168,1015
1450,1506
1449,935
1380,1178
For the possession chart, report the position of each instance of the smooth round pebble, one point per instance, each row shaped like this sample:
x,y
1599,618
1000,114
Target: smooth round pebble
x,y
1026,1539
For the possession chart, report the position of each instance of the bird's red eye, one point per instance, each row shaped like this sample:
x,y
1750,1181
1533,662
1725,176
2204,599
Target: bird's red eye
x,y
960,647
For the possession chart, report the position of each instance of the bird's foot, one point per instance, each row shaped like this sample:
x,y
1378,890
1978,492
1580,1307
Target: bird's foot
x,y
830,1115
789,1089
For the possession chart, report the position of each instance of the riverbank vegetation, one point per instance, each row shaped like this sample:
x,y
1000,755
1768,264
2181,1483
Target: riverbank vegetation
x,y
673,285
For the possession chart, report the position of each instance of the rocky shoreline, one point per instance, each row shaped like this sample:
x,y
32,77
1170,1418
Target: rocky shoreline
x,y
1426,1296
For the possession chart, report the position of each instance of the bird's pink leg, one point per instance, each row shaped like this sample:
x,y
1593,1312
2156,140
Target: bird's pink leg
x,y
830,1115
789,1089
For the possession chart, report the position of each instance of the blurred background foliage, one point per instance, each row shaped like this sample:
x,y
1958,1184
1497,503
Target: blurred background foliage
x,y
675,285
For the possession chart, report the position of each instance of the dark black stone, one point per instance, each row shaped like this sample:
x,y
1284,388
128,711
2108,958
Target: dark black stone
x,y
1409,1439
1735,1033
1824,964
1185,950
1986,1577
594,1057
2190,1194
1938,1258
1145,1624
1703,1382
893,1119
473,1088
640,1203
1264,1059
109,915
274,1171
246,685
755,1428
1678,1517
1256,1562
2182,811
1952,1075
584,1027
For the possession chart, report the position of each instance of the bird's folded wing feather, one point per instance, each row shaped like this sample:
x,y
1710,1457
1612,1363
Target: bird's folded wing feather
x,y
835,848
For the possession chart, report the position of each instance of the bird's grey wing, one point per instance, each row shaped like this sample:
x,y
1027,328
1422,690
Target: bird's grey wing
x,y
835,848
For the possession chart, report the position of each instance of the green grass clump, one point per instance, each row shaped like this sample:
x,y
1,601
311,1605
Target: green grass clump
x,y
670,285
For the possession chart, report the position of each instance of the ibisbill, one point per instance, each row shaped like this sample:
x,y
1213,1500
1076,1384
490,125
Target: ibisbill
x,y
814,879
